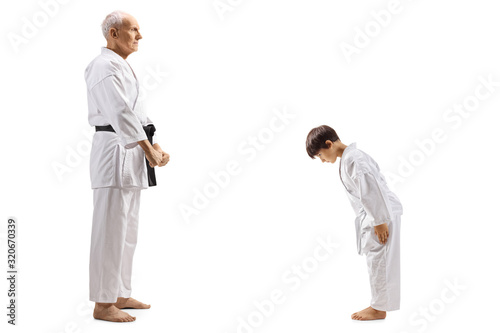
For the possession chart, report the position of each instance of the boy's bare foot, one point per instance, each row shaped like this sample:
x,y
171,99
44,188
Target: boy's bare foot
x,y
130,303
368,314
109,312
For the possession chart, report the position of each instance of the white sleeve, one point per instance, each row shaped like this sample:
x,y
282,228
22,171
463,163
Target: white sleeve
x,y
373,198
111,100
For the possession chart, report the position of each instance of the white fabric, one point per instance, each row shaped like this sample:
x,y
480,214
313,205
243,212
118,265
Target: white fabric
x,y
374,204
116,160
383,261
368,193
114,237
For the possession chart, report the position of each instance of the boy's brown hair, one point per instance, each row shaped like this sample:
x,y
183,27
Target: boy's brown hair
x,y
317,137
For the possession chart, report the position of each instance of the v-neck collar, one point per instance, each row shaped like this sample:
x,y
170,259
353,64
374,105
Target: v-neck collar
x,y
349,148
346,150
105,50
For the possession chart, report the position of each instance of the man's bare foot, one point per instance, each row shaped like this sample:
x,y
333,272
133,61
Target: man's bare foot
x,y
368,314
130,303
109,312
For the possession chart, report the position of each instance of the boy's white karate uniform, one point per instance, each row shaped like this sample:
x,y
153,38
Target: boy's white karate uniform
x,y
117,172
374,204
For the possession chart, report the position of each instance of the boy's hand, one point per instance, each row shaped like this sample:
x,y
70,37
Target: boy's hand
x,y
382,231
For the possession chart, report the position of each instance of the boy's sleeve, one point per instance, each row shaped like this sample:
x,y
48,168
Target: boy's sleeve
x,y
373,198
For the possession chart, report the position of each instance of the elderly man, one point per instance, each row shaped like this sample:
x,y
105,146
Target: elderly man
x,y
124,139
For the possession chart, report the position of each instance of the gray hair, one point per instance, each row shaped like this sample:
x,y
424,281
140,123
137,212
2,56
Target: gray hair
x,y
112,20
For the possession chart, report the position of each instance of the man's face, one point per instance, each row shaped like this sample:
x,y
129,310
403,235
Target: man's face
x,y
128,35
327,154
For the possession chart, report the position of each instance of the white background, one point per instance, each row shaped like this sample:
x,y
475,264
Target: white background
x,y
225,78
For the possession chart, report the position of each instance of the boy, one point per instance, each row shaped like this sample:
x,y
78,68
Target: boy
x,y
378,217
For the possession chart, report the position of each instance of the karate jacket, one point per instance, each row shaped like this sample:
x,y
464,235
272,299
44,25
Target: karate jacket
x,y
368,193
116,159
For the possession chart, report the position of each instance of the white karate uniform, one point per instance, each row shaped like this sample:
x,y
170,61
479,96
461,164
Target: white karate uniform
x,y
374,204
116,160
117,172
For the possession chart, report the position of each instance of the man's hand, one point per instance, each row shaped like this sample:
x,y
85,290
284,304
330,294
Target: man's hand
x,y
382,231
164,156
153,156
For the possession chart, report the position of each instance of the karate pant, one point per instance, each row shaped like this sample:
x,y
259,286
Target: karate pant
x,y
384,269
114,237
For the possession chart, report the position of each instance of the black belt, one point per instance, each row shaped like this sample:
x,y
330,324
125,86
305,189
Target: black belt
x,y
150,131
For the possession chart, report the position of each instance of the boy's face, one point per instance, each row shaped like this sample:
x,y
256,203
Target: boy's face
x,y
327,154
